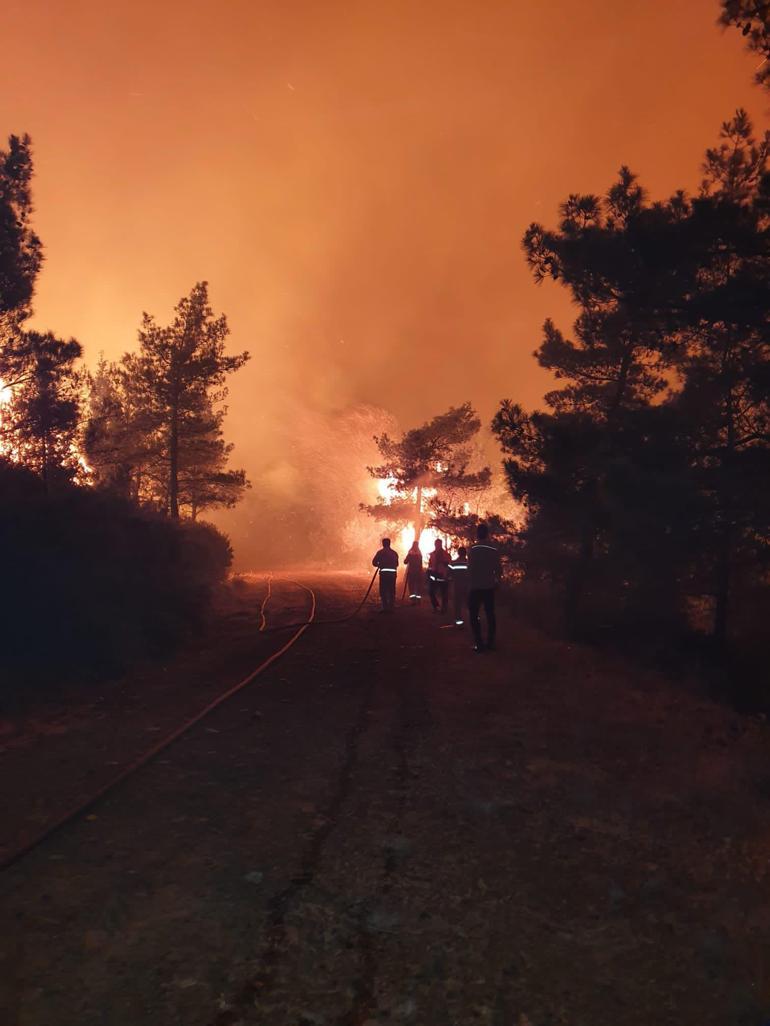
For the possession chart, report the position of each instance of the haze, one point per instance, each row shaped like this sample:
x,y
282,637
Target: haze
x,y
352,179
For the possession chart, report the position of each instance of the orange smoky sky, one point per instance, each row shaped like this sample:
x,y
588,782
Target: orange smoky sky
x,y
353,179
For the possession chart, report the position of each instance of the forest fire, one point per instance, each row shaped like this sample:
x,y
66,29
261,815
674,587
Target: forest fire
x,y
262,759
6,450
405,535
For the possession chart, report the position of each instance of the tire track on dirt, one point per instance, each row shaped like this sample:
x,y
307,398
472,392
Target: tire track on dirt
x,y
261,984
412,722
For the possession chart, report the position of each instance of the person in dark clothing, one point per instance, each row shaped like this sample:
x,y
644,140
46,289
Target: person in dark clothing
x,y
413,563
438,562
484,572
458,575
386,559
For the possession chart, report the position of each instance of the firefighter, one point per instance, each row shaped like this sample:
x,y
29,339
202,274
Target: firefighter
x,y
413,562
437,576
386,560
458,575
484,572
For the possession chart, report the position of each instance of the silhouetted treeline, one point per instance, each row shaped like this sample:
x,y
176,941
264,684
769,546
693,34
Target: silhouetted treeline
x,y
752,17
647,478
92,582
96,470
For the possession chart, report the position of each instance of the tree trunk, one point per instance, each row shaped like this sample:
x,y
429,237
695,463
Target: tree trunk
x,y
724,555
44,466
418,514
722,588
581,571
173,464
579,575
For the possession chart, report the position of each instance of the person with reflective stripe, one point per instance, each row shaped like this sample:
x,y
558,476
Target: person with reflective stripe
x,y
437,576
484,572
413,563
458,577
386,560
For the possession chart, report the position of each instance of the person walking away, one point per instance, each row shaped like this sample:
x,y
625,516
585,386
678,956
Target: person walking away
x,y
413,563
386,560
438,563
458,576
484,573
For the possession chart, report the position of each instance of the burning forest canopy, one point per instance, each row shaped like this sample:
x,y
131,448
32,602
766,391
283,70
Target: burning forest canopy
x,y
358,221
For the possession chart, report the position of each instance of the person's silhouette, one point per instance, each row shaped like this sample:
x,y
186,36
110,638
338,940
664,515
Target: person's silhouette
x,y
484,572
458,575
386,560
413,562
437,576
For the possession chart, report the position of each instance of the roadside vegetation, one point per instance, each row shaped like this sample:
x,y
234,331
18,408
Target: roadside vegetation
x,y
643,485
103,476
636,501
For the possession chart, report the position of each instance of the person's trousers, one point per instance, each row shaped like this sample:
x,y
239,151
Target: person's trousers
x,y
460,601
477,598
414,583
387,589
438,587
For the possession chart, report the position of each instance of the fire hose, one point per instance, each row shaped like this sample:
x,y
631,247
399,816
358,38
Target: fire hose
x,y
338,619
146,757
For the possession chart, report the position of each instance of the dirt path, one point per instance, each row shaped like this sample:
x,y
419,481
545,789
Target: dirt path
x,y
387,828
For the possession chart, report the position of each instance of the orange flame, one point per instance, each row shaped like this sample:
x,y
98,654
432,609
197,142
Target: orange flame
x,y
403,540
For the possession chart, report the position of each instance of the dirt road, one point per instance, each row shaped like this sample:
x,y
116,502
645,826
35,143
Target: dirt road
x,y
387,828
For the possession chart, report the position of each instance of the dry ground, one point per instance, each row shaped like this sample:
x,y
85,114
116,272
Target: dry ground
x,y
386,828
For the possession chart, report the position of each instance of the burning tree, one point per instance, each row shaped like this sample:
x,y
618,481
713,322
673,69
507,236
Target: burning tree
x,y
426,471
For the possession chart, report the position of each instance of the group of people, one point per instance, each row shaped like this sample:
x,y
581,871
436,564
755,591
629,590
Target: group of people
x,y
472,575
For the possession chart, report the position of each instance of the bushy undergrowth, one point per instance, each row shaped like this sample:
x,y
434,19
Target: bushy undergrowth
x,y
91,583
649,627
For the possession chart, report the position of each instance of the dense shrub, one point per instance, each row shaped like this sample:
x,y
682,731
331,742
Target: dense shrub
x,y
90,582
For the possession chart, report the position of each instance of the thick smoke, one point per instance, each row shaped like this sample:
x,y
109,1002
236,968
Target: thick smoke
x,y
303,506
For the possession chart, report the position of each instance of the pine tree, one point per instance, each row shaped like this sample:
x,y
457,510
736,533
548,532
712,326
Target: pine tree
x,y
20,249
179,370
619,257
205,481
41,420
724,355
120,435
752,17
429,461
653,459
